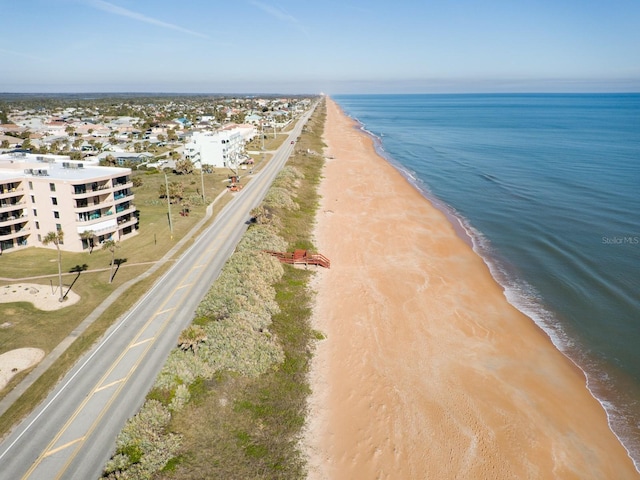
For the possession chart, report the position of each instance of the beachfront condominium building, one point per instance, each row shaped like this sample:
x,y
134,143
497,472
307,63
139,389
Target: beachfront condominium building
x,y
224,148
45,193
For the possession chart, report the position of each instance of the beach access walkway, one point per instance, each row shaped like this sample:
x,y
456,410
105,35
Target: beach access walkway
x,y
301,257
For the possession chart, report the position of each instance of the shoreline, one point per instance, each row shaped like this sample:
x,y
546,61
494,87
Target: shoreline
x,y
514,290
372,408
515,294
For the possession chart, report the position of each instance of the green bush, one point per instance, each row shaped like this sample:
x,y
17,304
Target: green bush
x,y
262,237
244,284
278,197
144,446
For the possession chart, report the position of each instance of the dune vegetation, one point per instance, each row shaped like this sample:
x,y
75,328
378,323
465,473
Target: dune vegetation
x,y
230,402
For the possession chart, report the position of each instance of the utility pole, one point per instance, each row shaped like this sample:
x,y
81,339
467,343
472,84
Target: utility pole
x,y
202,179
166,183
202,182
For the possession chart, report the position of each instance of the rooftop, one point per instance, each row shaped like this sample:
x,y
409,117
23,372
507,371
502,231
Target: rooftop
x,y
56,167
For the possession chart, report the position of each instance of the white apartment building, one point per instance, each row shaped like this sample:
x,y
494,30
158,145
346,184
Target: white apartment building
x,y
44,193
224,148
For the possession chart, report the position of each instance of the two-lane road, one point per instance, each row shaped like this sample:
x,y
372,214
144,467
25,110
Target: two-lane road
x,y
71,434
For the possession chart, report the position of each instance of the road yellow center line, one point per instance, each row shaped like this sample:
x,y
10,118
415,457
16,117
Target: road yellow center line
x,y
104,387
141,342
160,312
62,447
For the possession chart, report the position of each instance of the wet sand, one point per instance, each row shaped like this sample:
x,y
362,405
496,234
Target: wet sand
x,y
427,371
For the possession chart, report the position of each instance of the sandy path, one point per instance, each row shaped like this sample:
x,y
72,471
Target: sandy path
x,y
427,371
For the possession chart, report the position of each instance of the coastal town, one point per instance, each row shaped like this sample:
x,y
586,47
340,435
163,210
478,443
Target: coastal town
x,y
140,264
66,163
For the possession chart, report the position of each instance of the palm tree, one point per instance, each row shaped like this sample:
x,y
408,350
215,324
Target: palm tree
x,y
56,238
88,235
111,245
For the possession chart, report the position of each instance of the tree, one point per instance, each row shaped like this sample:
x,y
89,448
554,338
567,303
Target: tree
x,y
111,245
108,161
56,238
176,191
89,236
184,167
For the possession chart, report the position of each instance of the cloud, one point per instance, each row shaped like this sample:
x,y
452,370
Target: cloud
x,y
116,10
278,14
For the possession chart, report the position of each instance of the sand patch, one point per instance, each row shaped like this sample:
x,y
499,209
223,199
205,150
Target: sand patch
x,y
41,296
15,361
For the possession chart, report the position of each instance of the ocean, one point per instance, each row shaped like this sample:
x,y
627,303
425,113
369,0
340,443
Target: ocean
x,y
547,187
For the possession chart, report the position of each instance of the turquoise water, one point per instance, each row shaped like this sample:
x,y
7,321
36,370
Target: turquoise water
x,y
548,189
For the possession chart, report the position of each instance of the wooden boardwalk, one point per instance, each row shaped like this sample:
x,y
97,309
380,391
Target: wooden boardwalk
x,y
303,257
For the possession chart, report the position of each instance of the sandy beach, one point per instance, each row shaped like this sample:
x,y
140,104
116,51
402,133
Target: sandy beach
x,y
427,371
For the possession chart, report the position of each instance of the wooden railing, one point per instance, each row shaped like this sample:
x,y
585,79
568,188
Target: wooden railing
x,y
301,257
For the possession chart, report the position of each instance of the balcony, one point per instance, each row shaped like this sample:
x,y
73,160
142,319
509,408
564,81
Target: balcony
x,y
122,185
88,190
14,218
8,234
84,205
6,192
127,220
8,207
125,207
122,194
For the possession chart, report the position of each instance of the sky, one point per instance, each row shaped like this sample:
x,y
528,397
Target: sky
x,y
330,46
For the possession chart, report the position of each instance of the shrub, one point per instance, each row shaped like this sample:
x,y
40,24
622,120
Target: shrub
x,y
288,178
143,447
244,283
180,399
182,368
237,347
278,197
261,237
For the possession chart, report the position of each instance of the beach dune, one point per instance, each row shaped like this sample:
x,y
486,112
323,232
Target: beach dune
x,y
426,370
